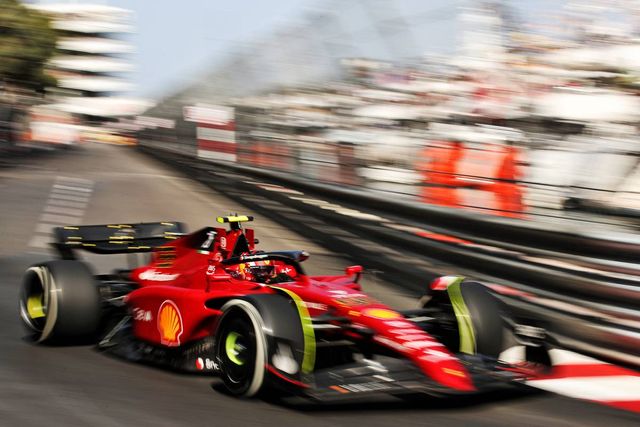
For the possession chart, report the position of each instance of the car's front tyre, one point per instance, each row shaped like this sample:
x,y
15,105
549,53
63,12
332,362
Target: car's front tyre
x,y
241,348
469,318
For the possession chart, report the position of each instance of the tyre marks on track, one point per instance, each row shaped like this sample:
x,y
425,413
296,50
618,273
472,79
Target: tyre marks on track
x,y
67,203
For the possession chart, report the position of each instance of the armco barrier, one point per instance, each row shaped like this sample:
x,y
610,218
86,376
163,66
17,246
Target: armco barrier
x,y
613,246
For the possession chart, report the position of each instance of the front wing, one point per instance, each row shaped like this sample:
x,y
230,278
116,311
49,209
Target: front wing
x,y
394,376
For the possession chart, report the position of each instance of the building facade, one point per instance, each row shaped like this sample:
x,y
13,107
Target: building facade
x,y
93,64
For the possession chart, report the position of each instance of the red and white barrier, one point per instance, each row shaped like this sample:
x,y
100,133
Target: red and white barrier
x,y
215,132
582,377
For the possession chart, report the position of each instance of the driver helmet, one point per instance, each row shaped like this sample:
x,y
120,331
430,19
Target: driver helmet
x,y
259,271
255,271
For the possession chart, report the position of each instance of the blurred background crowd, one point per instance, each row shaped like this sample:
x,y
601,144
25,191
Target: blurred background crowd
x,y
532,112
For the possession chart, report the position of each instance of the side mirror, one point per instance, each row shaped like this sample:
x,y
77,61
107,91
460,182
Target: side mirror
x,y
302,255
354,270
443,282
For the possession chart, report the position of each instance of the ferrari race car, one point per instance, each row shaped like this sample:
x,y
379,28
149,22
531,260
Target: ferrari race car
x,y
211,302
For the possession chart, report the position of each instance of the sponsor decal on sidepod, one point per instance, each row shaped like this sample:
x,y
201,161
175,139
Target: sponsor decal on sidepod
x,y
169,324
157,276
206,363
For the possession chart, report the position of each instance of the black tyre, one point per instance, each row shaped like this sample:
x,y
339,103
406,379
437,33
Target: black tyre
x,y
469,319
241,348
486,313
60,303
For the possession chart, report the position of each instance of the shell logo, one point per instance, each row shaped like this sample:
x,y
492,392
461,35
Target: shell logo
x,y
169,324
381,313
199,364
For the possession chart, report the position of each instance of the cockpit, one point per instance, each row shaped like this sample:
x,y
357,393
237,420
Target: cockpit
x,y
266,267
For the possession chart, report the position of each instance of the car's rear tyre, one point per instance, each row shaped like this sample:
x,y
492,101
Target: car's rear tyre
x,y
60,303
241,348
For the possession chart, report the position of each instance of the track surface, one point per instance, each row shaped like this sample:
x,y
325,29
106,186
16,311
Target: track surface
x,y
77,386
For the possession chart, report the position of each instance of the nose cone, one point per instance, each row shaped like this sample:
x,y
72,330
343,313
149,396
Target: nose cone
x,y
450,373
431,356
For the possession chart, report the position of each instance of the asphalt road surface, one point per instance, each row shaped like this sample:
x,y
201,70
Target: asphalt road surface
x,y
77,386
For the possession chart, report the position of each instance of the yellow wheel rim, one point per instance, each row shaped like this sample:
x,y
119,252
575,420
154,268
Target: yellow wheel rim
x,y
35,307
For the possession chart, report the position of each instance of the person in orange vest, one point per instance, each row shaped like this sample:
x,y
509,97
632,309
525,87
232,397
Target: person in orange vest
x,y
509,191
438,168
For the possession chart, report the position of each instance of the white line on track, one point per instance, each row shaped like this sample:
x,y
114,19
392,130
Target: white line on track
x,y
70,193
66,205
64,211
60,219
68,197
71,188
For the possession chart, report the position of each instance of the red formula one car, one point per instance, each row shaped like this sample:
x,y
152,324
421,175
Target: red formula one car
x,y
209,301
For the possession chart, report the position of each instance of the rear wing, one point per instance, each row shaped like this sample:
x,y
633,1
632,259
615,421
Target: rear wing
x,y
234,220
115,238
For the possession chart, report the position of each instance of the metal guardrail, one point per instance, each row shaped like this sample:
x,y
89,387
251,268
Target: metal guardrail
x,y
600,273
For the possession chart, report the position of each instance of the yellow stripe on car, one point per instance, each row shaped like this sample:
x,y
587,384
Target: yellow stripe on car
x,y
465,325
309,358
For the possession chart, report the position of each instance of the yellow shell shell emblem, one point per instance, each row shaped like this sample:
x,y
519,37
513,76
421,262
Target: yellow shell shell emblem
x,y
169,324
381,313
